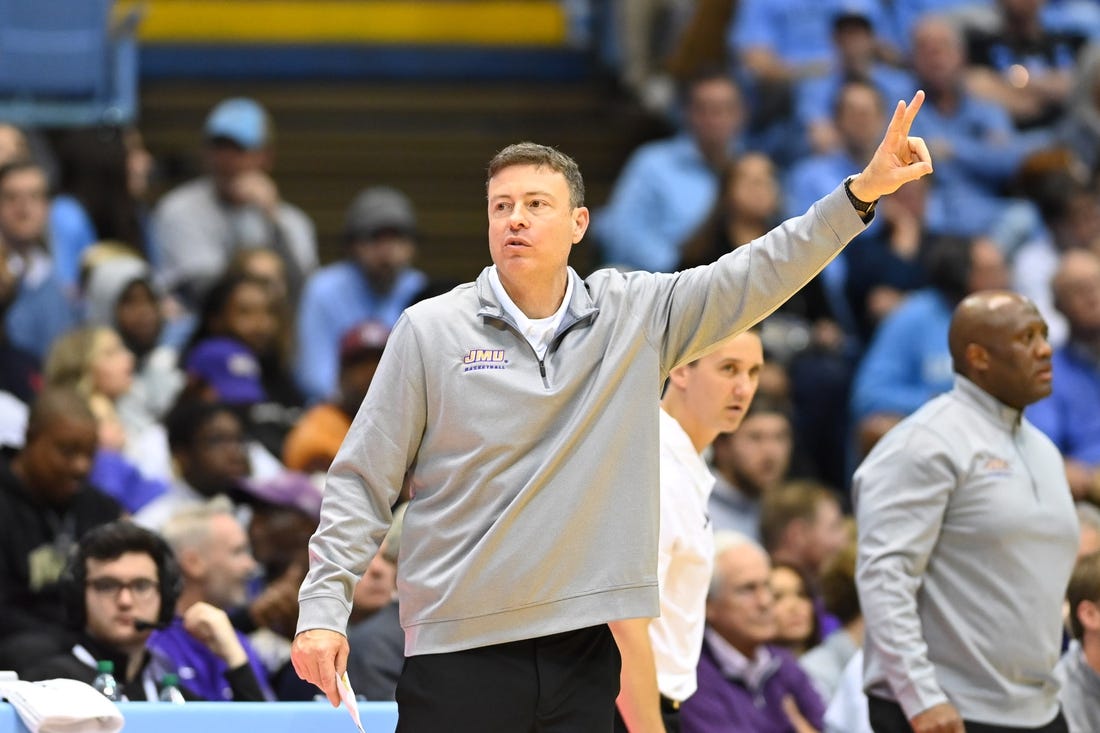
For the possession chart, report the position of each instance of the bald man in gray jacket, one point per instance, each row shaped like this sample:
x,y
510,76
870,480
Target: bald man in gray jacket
x,y
967,536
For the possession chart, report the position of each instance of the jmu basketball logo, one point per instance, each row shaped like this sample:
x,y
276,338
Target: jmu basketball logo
x,y
994,464
478,359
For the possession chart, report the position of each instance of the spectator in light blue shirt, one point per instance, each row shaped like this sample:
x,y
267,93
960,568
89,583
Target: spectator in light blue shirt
x,y
778,44
859,119
1070,416
375,282
667,186
855,57
975,144
40,311
908,361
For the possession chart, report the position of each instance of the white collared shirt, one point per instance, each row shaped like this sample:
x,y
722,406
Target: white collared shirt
x,y
685,560
539,332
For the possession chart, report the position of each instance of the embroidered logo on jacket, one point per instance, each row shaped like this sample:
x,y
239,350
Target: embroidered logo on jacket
x,y
478,359
993,464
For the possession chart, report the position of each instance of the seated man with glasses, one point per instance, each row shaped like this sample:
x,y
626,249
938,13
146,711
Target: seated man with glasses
x,y
122,583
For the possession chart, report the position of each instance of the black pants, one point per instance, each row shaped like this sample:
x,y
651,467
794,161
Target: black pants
x,y
887,717
564,683
670,713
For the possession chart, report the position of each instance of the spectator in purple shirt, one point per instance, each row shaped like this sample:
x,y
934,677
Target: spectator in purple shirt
x,y
745,683
216,564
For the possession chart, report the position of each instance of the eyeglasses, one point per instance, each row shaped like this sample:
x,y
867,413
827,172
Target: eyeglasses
x,y
140,588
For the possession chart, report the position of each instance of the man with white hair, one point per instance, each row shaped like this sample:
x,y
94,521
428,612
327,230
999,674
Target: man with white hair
x,y
744,682
216,564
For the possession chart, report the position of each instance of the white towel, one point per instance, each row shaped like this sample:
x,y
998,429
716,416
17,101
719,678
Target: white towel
x,y
62,706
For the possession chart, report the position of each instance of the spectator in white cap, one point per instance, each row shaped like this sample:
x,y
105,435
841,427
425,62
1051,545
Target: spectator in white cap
x,y
375,281
200,225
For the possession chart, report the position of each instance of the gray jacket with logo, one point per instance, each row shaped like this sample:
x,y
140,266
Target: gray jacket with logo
x,y
967,537
535,483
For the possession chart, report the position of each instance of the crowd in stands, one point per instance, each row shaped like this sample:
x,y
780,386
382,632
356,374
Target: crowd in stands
x,y
176,376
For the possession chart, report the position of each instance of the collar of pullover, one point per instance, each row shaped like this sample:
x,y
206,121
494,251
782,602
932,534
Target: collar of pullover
x,y
580,305
997,411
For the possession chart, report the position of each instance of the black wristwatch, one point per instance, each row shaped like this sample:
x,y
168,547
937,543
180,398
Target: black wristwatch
x,y
865,208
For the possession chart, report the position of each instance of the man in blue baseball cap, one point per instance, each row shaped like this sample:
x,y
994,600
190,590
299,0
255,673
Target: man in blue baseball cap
x,y
202,224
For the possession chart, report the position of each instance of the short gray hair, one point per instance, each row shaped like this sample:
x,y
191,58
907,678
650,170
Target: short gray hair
x,y
190,526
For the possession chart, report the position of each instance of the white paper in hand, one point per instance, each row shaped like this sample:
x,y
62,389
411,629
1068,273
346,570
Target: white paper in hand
x,y
348,696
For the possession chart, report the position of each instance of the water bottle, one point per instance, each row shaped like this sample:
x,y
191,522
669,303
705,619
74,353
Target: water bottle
x,y
105,680
170,689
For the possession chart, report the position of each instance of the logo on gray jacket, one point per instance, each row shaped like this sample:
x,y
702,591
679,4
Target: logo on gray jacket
x,y
478,359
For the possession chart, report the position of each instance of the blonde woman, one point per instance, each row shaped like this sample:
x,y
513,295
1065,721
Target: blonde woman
x,y
132,463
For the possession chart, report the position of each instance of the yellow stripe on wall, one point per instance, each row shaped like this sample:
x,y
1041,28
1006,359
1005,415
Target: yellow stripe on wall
x,y
480,22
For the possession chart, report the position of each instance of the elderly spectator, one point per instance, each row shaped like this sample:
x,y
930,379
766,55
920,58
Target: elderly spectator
x,y
744,682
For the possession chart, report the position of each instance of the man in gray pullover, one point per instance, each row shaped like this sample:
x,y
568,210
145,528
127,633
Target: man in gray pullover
x,y
967,536
522,408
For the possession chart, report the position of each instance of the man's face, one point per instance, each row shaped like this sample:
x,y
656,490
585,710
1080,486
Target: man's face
x,y
383,256
355,378
376,588
279,537
937,55
719,386
826,535
57,458
137,316
217,457
13,145
228,563
860,118
23,207
226,161
855,43
1077,291
987,267
742,608
759,453
532,226
1019,370
118,592
714,114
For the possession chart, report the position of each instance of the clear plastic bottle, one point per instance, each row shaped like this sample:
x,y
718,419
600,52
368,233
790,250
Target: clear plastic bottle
x,y
105,680
170,689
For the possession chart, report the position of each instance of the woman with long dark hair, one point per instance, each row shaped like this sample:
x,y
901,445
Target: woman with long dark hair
x,y
103,179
